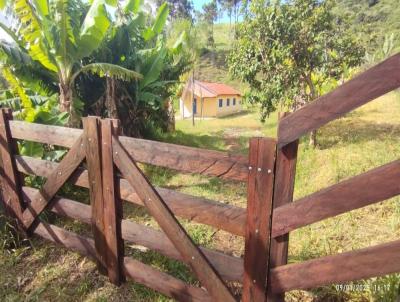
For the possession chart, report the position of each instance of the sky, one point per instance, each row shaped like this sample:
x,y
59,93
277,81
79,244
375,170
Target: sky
x,y
198,4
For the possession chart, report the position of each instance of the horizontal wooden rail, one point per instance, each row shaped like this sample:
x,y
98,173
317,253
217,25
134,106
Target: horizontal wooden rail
x,y
366,87
163,283
177,157
373,186
365,263
230,268
133,269
221,216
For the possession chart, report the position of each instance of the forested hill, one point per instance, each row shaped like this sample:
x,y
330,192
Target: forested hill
x,y
372,20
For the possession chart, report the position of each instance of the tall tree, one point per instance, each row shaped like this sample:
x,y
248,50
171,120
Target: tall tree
x,y
210,15
290,51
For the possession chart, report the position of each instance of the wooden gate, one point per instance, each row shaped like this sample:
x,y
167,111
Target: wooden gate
x,y
106,163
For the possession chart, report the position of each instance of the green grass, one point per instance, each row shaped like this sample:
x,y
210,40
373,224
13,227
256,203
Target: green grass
x,y
362,140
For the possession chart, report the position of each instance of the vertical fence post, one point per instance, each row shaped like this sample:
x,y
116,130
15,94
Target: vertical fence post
x,y
259,206
10,181
285,173
93,161
112,204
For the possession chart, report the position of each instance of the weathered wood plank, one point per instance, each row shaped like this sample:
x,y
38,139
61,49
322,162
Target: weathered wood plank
x,y
170,225
133,269
65,238
259,208
285,173
230,267
112,204
181,158
91,132
370,187
366,87
46,134
221,216
369,262
163,283
10,183
55,181
62,206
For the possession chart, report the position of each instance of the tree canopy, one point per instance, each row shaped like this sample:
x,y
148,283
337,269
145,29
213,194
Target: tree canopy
x,y
286,51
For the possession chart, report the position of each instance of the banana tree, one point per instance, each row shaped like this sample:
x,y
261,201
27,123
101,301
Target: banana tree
x,y
58,35
136,41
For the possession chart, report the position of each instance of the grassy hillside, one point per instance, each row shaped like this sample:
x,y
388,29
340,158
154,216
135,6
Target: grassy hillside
x,y
372,23
213,66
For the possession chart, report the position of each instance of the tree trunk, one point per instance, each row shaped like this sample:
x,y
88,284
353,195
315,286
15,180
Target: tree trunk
x,y
171,116
314,96
111,104
313,138
65,98
66,104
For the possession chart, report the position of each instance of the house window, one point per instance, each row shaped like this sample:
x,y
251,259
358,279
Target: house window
x,y
220,103
234,102
227,102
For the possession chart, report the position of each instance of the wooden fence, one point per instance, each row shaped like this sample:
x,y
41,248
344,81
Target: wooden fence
x,y
106,163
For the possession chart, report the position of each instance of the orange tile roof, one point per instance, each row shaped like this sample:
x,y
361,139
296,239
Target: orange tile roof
x,y
219,88
208,89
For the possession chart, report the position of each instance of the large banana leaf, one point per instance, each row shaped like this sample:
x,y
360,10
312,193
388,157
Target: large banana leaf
x,y
93,29
153,65
158,24
132,6
31,32
109,70
42,7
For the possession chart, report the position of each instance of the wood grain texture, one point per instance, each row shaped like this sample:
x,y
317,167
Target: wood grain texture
x,y
91,130
65,238
164,283
230,267
373,186
369,262
10,182
133,269
366,87
259,210
62,206
112,204
176,157
221,216
170,225
285,173
46,134
55,181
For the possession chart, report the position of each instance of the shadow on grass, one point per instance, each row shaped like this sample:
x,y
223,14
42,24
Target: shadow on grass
x,y
213,142
355,131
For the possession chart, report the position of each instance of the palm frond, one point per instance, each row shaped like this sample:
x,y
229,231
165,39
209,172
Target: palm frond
x,y
16,87
31,32
109,70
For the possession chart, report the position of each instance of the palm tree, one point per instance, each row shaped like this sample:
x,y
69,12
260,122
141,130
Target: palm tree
x,y
57,35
